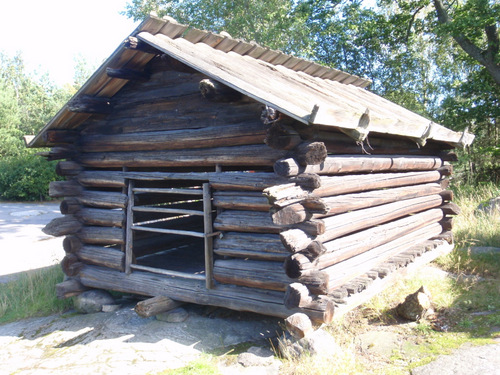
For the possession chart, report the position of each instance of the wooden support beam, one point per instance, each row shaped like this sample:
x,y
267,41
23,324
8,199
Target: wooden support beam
x,y
61,226
68,168
90,104
339,225
58,189
138,45
247,156
156,305
344,164
70,288
218,92
128,74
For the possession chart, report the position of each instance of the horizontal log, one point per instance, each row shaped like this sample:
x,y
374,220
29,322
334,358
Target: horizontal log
x,y
282,137
218,92
251,273
61,226
101,179
72,244
70,265
248,156
103,199
128,74
70,288
156,305
70,206
343,248
90,104
309,153
358,183
446,170
103,217
342,272
251,246
68,168
238,200
297,212
245,221
451,208
135,44
333,165
60,136
246,133
102,256
447,195
58,189
342,224
338,185
59,152
193,291
101,235
297,295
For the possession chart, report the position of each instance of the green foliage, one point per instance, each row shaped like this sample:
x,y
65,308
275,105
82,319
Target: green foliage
x,y
25,177
32,294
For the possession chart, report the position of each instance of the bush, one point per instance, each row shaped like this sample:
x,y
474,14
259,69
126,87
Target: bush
x,y
25,177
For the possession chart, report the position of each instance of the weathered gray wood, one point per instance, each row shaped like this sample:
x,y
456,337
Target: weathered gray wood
x,y
61,226
103,199
102,256
237,298
346,247
60,136
128,74
451,208
246,133
70,206
251,245
238,200
245,221
70,265
208,240
297,295
447,195
251,273
90,104
341,272
104,217
282,137
135,44
72,244
247,155
102,179
156,305
101,235
338,185
342,224
343,164
70,288
218,92
309,153
58,189
68,168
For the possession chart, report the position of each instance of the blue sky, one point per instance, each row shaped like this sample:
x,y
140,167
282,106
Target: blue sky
x,y
52,33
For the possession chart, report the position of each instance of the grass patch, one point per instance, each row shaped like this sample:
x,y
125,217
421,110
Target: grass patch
x,y
32,294
205,365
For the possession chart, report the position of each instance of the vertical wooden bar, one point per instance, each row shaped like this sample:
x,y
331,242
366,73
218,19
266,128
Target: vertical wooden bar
x,y
207,223
129,236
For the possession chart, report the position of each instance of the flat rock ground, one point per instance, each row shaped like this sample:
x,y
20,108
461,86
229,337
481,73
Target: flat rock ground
x,y
120,342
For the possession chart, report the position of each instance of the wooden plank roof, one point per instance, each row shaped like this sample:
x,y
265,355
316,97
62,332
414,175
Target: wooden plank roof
x,y
306,91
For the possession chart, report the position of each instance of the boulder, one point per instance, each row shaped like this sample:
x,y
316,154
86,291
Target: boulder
x,y
92,301
318,342
491,207
416,305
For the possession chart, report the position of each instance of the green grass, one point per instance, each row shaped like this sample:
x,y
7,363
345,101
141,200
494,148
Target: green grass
x,y
32,294
205,365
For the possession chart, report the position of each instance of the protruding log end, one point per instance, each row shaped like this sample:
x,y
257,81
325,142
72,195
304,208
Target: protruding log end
x,y
218,92
297,295
156,305
70,206
70,265
70,288
72,244
310,153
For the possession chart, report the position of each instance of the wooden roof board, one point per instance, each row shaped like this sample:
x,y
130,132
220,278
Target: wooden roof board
x,y
260,75
254,78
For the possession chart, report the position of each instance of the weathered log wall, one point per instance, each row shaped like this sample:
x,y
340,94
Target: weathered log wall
x,y
303,216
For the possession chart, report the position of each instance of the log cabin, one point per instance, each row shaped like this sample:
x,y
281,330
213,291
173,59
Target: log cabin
x,y
205,169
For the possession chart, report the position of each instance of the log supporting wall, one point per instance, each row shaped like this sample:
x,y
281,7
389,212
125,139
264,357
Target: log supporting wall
x,y
302,218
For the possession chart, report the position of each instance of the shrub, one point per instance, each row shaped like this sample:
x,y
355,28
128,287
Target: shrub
x,y
25,177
